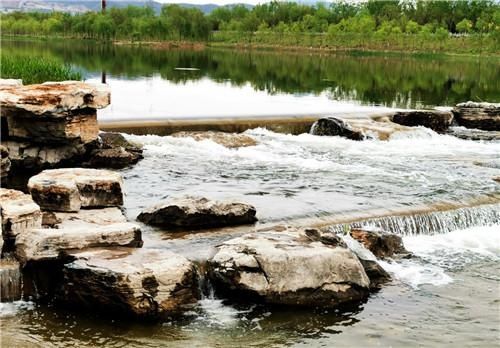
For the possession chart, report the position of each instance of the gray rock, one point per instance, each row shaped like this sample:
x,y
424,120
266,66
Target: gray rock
x,y
70,189
331,126
289,268
194,212
485,116
144,283
381,244
4,161
19,213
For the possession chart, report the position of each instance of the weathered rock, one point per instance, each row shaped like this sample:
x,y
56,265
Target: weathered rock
x,y
53,99
381,244
112,140
45,244
485,116
146,283
10,280
496,178
230,140
113,158
331,126
436,120
104,216
73,188
80,125
194,212
289,268
19,213
29,156
378,276
4,161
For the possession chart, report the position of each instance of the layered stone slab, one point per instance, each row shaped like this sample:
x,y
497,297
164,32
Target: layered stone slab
x,y
143,283
436,120
19,213
70,189
45,244
485,116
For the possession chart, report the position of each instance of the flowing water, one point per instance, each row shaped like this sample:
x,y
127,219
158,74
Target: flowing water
x,y
437,191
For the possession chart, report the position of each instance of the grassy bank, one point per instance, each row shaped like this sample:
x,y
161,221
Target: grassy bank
x,y
35,69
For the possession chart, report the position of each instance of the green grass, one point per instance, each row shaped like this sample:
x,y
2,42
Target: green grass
x,y
36,69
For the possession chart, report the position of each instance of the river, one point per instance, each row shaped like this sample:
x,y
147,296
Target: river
x,y
447,295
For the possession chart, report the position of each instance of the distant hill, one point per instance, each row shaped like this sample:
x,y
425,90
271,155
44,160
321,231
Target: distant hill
x,y
79,6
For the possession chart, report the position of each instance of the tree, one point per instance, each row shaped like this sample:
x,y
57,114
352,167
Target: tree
x,y
464,26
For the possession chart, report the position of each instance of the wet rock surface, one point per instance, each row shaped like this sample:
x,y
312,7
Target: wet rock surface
x,y
438,121
289,268
73,188
230,140
381,244
331,126
10,280
485,116
145,283
474,134
4,161
114,152
196,212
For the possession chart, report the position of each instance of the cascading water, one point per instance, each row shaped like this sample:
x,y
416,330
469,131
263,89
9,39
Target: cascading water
x,y
10,280
430,223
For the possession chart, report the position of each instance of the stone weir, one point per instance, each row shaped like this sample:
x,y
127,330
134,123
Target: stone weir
x,y
53,125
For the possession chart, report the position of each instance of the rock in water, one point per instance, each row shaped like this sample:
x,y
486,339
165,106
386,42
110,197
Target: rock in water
x,y
438,121
147,283
331,126
289,268
381,244
230,140
485,116
194,212
115,152
10,280
70,189
19,213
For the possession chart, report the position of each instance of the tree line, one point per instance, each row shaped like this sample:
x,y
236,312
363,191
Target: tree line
x,y
371,19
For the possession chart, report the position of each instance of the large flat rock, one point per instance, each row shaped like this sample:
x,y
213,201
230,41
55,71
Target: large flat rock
x,y
70,189
53,99
104,216
436,120
290,268
45,244
196,212
485,116
145,283
19,213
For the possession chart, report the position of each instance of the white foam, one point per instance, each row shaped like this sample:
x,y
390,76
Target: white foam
x,y
9,309
415,274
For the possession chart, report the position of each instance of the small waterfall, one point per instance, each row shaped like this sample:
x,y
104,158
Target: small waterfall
x,y
205,286
430,223
10,280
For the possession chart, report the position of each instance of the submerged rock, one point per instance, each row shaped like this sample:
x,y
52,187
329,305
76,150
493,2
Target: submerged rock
x,y
381,244
474,134
195,212
289,268
19,213
230,140
45,244
331,126
145,283
438,121
70,189
485,116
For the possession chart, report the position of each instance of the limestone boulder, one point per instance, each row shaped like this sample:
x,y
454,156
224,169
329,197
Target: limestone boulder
x,y
230,140
438,121
19,213
111,140
196,212
485,116
113,158
474,134
70,189
104,216
45,244
53,99
381,244
289,268
146,283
